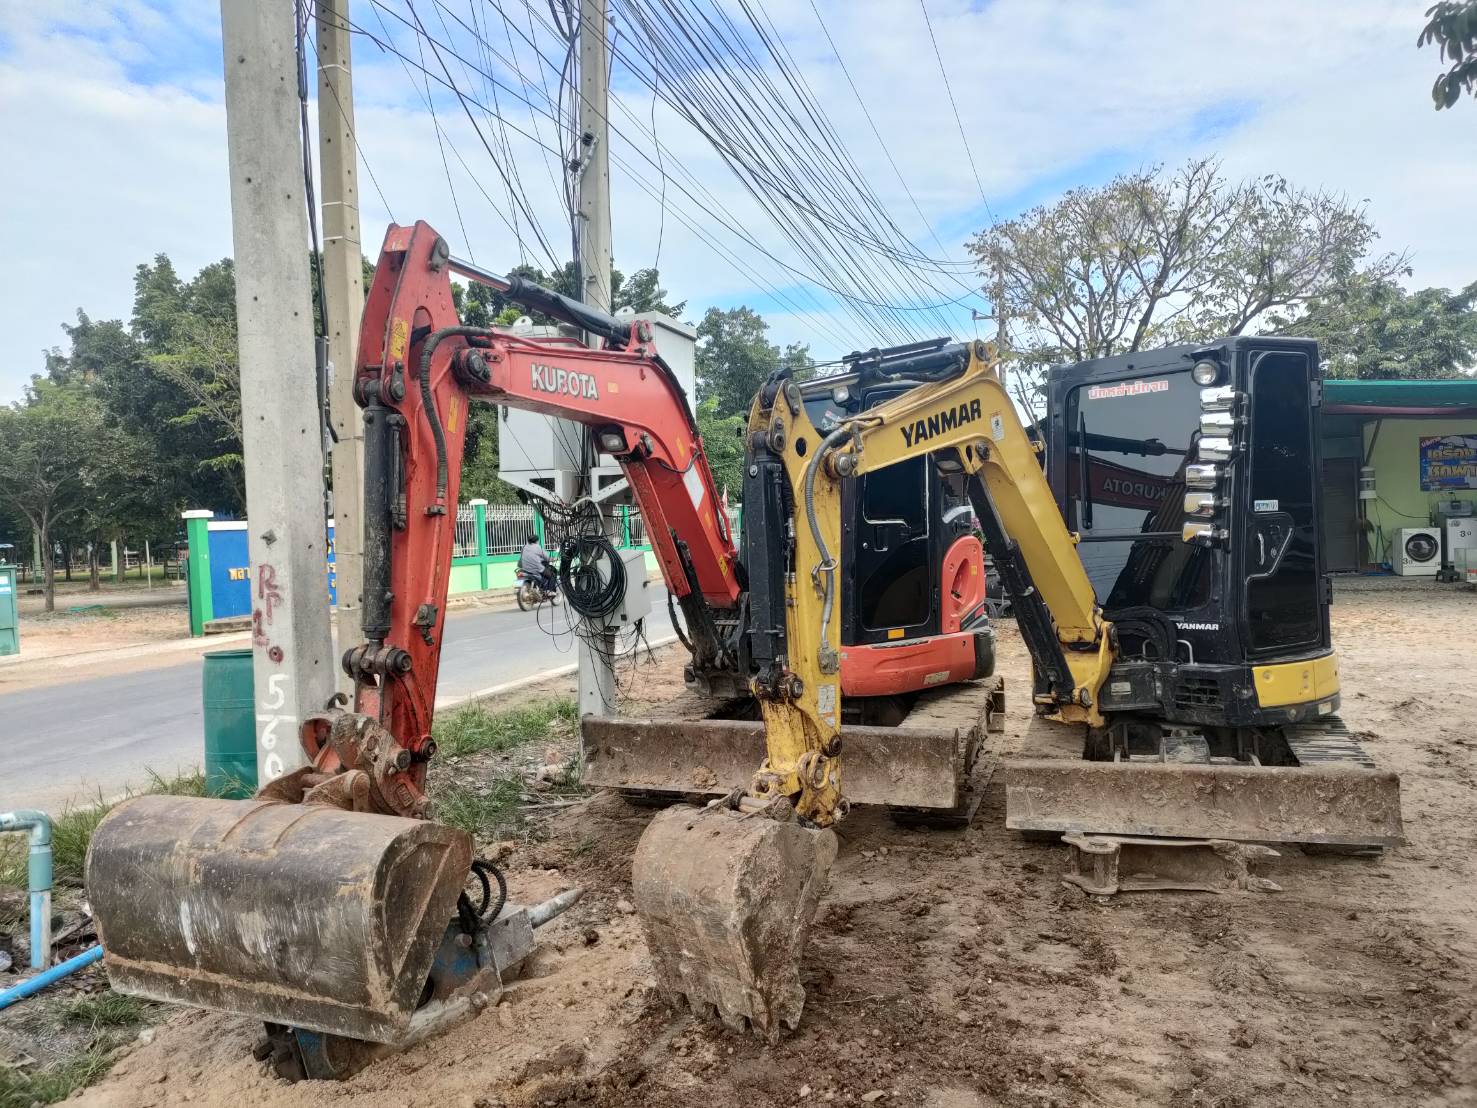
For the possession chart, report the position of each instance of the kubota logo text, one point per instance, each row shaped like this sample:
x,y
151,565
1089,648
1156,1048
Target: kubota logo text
x,y
563,382
922,430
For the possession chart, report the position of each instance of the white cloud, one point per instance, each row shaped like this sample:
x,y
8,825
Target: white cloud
x,y
117,120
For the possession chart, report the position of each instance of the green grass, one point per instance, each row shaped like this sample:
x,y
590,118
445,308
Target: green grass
x,y
485,810
21,1088
71,832
186,784
475,730
107,1009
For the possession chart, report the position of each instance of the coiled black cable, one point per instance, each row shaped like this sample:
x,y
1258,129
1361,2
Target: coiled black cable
x,y
470,916
593,594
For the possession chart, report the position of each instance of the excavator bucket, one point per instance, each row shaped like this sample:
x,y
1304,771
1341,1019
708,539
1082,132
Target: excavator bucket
x,y
726,901
302,915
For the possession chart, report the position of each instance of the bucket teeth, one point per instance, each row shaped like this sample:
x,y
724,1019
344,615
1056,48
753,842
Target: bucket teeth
x,y
726,902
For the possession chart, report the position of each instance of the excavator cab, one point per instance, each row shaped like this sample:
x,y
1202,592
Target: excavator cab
x,y
913,612
1189,475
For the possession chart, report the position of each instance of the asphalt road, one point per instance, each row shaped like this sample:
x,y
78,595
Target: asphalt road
x,y
72,742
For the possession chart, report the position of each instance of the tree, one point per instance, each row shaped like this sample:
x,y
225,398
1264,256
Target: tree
x,y
643,293
734,358
1373,328
1154,257
53,446
723,443
1452,25
148,377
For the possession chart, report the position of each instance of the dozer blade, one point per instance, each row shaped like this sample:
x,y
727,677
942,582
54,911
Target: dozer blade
x,y
726,901
912,768
1323,804
302,915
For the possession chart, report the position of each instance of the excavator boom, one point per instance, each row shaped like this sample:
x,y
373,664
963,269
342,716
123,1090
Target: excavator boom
x,y
330,904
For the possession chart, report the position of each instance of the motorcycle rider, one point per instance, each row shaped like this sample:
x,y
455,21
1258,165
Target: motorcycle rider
x,y
534,562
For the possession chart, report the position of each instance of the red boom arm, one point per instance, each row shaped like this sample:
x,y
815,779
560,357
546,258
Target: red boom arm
x,y
417,370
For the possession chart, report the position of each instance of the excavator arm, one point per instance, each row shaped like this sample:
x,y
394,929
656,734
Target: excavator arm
x,y
727,895
418,370
964,415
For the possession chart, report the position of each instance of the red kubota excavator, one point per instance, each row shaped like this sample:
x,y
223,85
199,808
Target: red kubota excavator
x,y
330,905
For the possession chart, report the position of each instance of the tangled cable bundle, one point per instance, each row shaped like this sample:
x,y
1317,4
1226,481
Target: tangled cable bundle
x,y
593,576
592,580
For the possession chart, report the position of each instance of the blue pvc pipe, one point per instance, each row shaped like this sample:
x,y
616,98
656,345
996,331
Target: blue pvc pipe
x,y
35,984
39,877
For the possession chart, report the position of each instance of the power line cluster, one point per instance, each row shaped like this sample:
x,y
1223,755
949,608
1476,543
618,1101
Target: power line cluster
x,y
733,78
508,66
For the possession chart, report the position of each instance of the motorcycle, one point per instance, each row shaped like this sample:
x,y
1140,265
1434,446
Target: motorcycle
x,y
531,592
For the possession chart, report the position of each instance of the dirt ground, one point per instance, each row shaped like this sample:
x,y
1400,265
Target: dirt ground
x,y
954,969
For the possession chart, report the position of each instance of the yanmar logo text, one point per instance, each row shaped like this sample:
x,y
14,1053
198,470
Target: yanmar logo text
x,y
563,382
924,429
1126,388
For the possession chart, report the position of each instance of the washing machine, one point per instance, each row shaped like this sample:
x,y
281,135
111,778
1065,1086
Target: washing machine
x,y
1461,534
1416,552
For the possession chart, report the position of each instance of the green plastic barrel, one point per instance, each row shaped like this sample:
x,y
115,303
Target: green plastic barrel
x,y
230,724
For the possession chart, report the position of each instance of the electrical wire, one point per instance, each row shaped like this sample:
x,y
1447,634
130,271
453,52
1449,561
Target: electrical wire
x,y
326,431
753,129
387,44
593,577
441,146
949,88
696,224
837,288
781,144
466,107
876,131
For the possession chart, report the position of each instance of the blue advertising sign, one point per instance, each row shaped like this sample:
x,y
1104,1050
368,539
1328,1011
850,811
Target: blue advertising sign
x,y
1448,462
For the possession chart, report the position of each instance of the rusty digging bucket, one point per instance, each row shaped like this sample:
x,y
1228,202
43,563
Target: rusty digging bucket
x,y
302,915
726,900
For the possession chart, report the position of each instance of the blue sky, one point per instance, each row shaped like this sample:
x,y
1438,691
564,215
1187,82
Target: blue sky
x,y
113,119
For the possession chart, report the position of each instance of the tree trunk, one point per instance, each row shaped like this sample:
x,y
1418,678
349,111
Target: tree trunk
x,y
48,566
121,560
94,568
67,560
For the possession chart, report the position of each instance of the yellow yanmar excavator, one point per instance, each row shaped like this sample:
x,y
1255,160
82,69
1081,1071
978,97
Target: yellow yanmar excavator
x,y
1180,631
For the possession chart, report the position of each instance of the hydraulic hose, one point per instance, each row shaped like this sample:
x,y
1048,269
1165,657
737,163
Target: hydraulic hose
x,y
429,404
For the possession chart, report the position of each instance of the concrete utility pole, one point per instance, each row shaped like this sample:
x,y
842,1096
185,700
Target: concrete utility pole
x,y
596,670
343,288
281,437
